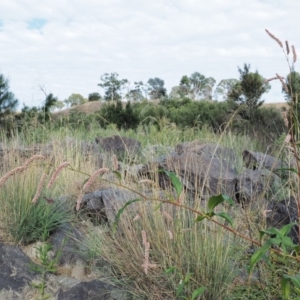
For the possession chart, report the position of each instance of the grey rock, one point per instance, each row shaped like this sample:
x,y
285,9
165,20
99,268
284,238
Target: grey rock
x,y
93,290
209,150
257,160
106,203
197,168
15,268
68,240
120,146
282,213
257,184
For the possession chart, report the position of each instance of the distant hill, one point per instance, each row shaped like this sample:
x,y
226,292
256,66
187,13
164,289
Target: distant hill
x,y
278,105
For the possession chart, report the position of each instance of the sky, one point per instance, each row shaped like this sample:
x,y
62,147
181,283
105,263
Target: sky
x,y
65,46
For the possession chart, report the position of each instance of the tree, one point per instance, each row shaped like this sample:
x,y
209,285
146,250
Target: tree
x,y
156,88
247,92
292,96
176,92
197,86
292,90
49,104
75,99
136,93
94,97
201,87
8,102
124,118
223,88
112,86
185,86
57,105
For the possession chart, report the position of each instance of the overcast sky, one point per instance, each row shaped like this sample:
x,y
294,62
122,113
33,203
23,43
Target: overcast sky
x,y
66,45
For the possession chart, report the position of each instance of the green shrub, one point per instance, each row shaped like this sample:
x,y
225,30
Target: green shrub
x,y
114,113
187,113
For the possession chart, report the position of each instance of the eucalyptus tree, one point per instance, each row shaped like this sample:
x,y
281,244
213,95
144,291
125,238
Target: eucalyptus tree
x,y
8,101
112,86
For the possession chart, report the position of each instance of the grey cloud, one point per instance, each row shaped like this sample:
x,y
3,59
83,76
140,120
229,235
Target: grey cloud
x,y
139,40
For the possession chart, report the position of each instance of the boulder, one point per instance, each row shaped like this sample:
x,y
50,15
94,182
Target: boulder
x,y
256,184
209,150
69,241
199,167
282,213
93,290
122,147
104,204
257,160
15,269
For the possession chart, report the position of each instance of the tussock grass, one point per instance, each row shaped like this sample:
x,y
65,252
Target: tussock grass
x,y
211,256
203,250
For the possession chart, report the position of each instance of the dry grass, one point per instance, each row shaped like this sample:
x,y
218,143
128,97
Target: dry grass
x,y
278,105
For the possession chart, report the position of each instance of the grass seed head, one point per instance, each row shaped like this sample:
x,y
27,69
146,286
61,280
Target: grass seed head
x,y
274,38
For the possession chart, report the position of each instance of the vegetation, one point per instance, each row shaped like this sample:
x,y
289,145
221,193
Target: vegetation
x,y
112,86
8,102
94,96
156,88
170,245
247,92
75,99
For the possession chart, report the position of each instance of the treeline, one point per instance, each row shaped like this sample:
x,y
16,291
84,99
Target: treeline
x,y
266,124
190,104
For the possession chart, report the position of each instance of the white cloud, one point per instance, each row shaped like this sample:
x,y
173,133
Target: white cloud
x,y
82,40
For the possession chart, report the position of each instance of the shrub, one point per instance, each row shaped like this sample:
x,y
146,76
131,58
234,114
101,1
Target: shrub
x,y
114,113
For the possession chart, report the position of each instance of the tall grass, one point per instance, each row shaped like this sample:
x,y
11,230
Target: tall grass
x,y
205,254
203,251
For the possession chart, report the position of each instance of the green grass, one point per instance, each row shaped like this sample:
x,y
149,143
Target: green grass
x,y
210,255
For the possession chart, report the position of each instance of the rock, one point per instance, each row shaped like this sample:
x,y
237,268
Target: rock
x,y
283,212
68,240
209,150
253,185
78,271
197,169
66,283
93,290
105,203
122,147
15,269
257,160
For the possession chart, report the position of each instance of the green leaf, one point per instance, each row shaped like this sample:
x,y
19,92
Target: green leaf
x,y
287,241
180,288
228,199
286,229
188,277
287,169
199,291
225,216
272,231
275,241
216,200
200,218
118,174
121,210
175,182
285,288
170,270
257,255
295,279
